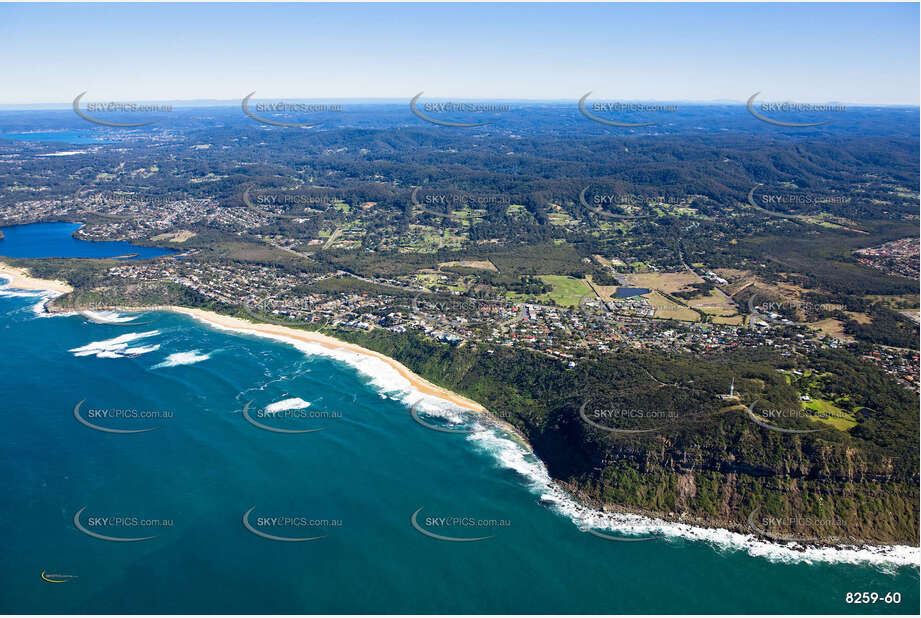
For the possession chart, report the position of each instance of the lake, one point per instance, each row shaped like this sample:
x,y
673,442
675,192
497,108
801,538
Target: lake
x,y
44,240
628,292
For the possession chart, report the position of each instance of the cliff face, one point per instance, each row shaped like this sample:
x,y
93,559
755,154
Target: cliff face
x,y
823,499
708,464
734,474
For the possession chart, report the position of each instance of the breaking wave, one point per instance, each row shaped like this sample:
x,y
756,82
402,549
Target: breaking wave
x,y
495,440
183,358
512,455
118,347
295,403
107,317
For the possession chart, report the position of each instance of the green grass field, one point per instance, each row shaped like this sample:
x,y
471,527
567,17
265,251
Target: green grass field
x,y
830,414
567,292
567,288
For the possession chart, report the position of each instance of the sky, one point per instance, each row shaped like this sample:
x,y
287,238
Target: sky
x,y
850,53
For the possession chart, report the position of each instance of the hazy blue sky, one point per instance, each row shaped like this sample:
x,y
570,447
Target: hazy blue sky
x,y
854,53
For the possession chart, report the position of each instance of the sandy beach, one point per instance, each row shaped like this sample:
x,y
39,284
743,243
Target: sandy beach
x,y
276,331
419,383
20,279
649,522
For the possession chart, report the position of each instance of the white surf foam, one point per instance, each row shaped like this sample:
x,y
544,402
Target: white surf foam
x,y
39,307
183,358
107,317
144,349
118,347
14,293
495,441
7,290
385,379
444,410
512,455
295,403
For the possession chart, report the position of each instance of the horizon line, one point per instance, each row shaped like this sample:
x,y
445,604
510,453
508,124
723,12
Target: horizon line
x,y
200,102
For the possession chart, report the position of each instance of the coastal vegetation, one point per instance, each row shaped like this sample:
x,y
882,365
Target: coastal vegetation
x,y
509,295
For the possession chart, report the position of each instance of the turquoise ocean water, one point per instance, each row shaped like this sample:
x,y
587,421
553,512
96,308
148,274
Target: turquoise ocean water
x,y
356,483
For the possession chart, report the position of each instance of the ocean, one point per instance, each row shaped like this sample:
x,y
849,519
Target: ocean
x,y
213,505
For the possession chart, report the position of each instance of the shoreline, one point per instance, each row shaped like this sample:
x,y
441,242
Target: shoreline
x,y
331,343
606,518
21,279
286,334
278,332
